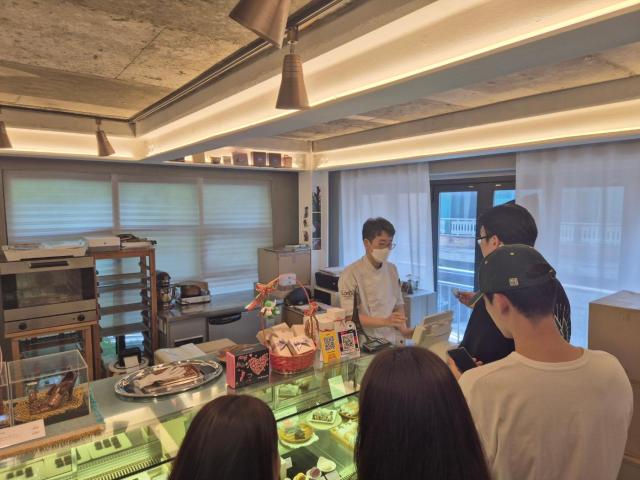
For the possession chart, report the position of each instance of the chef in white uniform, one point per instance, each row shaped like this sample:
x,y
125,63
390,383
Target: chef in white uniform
x,y
381,308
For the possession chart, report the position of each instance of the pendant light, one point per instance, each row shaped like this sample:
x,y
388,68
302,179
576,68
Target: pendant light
x,y
104,147
292,94
4,136
266,18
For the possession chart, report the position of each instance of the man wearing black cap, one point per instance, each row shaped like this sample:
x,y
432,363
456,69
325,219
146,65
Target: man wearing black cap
x,y
548,410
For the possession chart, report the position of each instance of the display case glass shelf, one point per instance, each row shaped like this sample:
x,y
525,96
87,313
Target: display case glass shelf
x,y
141,438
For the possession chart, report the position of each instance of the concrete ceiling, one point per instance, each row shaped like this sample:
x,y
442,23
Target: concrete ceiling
x,y
368,79
621,62
110,58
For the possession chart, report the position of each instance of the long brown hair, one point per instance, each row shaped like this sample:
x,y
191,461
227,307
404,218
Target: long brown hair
x,y
415,422
232,437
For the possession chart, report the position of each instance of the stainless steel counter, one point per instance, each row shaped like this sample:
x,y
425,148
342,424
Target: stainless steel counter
x,y
223,317
221,304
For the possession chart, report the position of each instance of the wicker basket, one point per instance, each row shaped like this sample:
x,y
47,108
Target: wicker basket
x,y
293,364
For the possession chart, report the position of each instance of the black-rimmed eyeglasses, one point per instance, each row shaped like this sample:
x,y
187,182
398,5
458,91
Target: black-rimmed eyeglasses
x,y
484,237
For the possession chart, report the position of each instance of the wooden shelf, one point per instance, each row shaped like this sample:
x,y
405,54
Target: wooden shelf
x,y
123,329
129,318
122,253
122,287
266,168
128,307
102,279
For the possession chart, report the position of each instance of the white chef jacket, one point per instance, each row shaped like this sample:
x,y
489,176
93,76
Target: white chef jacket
x,y
379,290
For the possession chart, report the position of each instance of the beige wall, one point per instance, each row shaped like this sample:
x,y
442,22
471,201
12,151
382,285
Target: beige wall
x,y
284,185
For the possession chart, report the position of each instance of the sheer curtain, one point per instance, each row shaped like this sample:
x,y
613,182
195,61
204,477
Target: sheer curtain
x,y
585,201
400,194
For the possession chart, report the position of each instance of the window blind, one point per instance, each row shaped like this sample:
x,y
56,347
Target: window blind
x,y
167,212
237,221
48,206
207,230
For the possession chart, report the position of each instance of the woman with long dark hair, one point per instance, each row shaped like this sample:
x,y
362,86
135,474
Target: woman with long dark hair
x,y
232,437
414,421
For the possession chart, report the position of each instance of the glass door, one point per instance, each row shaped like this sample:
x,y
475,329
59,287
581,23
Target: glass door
x,y
456,207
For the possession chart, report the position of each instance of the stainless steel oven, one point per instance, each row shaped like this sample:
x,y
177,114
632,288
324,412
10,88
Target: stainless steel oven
x,y
43,293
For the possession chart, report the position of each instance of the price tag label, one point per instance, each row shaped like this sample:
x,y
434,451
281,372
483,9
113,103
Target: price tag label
x,y
21,433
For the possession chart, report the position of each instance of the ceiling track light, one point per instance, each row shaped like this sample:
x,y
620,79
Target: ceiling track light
x,y
265,18
4,136
293,93
104,147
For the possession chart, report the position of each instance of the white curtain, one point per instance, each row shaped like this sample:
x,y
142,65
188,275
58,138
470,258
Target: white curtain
x,y
401,195
586,201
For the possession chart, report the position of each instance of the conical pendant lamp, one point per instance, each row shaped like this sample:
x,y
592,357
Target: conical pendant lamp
x,y
4,136
266,18
292,94
104,147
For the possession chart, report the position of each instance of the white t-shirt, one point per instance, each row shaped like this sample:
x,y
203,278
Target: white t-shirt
x,y
548,421
379,290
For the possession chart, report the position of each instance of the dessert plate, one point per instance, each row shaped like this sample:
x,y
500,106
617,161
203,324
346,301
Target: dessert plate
x,y
323,425
168,378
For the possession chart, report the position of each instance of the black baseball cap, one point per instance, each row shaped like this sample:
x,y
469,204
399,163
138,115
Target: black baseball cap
x,y
511,267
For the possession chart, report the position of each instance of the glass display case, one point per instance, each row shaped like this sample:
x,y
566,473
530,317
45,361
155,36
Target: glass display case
x,y
141,438
6,416
322,437
54,388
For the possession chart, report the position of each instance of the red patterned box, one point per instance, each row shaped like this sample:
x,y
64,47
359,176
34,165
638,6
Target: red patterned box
x,y
247,365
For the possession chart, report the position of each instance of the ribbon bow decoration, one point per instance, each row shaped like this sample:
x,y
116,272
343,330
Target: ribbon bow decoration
x,y
264,289
268,307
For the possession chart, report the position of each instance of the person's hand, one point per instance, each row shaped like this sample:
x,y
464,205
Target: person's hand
x,y
407,332
465,298
453,367
397,320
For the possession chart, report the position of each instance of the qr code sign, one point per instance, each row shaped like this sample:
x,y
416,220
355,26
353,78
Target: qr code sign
x,y
329,343
348,342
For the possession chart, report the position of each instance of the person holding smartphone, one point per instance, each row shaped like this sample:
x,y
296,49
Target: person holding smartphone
x,y
504,224
381,308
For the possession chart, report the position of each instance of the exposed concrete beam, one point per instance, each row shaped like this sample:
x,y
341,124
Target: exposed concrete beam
x,y
62,122
600,123
579,97
552,48
320,38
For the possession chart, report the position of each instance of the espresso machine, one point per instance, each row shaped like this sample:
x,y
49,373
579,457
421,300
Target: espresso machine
x,y
166,292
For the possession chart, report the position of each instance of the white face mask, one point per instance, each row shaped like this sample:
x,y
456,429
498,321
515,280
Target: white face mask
x,y
380,254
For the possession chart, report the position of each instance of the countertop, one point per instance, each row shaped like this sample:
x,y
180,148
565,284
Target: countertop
x,y
125,414
221,304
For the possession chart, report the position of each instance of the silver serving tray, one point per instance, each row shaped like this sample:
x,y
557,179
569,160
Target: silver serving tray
x,y
208,370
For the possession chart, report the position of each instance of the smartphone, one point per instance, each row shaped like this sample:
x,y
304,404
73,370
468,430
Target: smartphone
x,y
462,359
